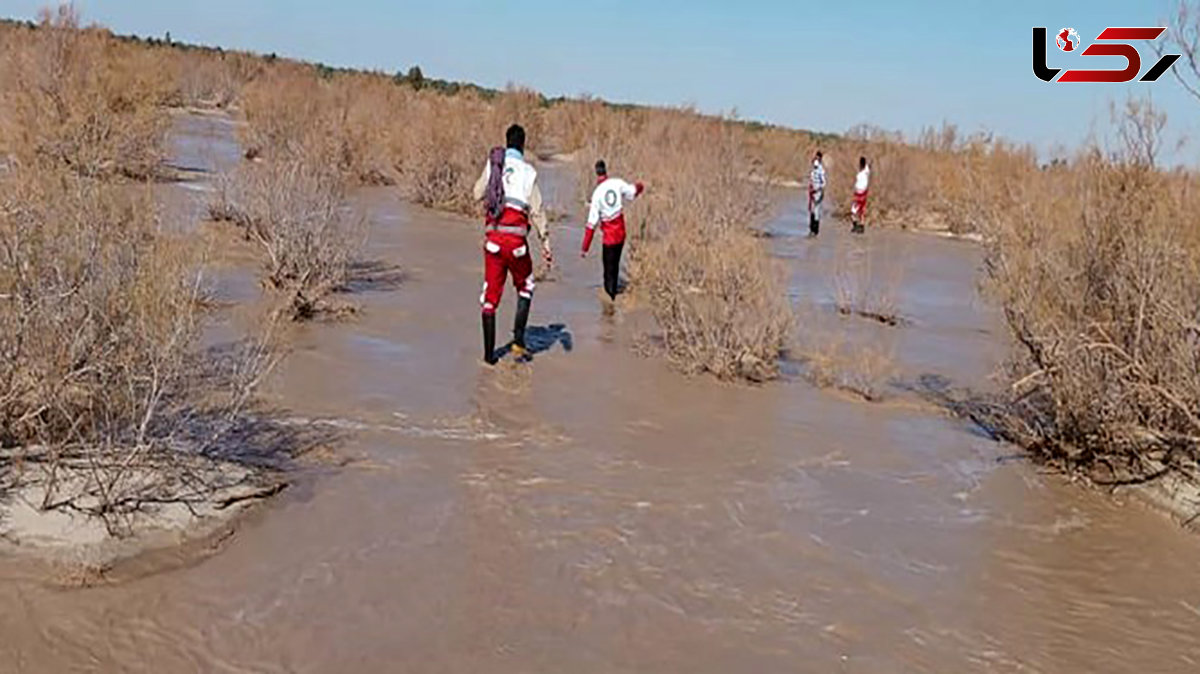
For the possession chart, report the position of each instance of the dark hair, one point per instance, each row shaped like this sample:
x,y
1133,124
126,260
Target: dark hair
x,y
862,162
819,155
601,168
514,138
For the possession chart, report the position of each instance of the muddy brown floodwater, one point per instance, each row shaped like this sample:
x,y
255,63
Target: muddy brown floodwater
x,y
595,512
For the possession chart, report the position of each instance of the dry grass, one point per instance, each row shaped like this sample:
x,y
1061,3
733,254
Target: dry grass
x,y
82,100
377,132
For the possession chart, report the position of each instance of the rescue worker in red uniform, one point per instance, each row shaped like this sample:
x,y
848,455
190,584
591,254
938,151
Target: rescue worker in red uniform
x,y
858,206
607,211
506,242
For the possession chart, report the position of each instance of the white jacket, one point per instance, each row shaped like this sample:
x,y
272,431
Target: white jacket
x,y
520,189
816,179
608,199
862,181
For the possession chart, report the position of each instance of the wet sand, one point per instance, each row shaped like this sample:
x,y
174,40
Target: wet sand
x,y
594,511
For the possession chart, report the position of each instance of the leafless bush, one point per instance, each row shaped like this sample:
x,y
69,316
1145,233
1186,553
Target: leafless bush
x,y
866,279
77,98
718,301
213,80
103,402
1099,284
835,359
376,132
296,212
717,297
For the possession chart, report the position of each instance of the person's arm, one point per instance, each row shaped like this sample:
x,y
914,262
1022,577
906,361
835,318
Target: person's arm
x,y
537,216
592,220
481,184
633,191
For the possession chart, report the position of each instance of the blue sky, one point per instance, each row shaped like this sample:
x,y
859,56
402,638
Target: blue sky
x,y
818,65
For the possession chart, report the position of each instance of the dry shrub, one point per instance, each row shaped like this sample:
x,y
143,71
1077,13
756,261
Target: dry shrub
x,y
295,210
208,79
1099,284
718,301
379,132
866,280
439,147
80,99
106,402
716,295
833,360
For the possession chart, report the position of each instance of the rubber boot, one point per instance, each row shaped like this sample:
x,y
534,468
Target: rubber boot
x,y
523,305
814,226
489,339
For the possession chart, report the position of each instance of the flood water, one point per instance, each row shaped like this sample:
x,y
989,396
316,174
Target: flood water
x,y
593,511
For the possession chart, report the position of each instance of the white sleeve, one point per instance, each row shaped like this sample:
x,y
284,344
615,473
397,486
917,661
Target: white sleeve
x,y
594,211
628,191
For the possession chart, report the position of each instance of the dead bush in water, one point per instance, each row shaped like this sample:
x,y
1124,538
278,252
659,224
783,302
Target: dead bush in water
x,y
835,359
107,406
866,280
716,295
718,301
77,98
295,210
1099,284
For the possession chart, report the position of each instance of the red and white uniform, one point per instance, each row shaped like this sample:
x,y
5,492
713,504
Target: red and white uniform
x,y
608,200
862,183
506,244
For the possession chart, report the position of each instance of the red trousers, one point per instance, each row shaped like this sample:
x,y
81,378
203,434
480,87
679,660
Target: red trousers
x,y
859,206
504,254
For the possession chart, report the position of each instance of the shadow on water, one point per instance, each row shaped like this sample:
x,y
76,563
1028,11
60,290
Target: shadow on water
x,y
985,412
542,338
374,276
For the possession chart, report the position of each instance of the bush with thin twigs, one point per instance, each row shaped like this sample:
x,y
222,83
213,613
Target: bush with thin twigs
x,y
295,210
835,359
78,98
107,405
431,144
211,79
866,286
1097,275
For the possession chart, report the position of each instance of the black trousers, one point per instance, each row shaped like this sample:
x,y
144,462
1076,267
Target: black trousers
x,y
612,268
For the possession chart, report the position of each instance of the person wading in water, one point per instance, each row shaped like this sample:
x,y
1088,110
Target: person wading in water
x,y
606,210
509,188
816,194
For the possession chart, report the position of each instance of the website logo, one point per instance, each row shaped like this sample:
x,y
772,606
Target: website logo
x,y
1110,42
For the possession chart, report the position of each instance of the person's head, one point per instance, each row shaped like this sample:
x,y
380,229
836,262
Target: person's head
x,y
514,138
601,168
862,163
820,157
